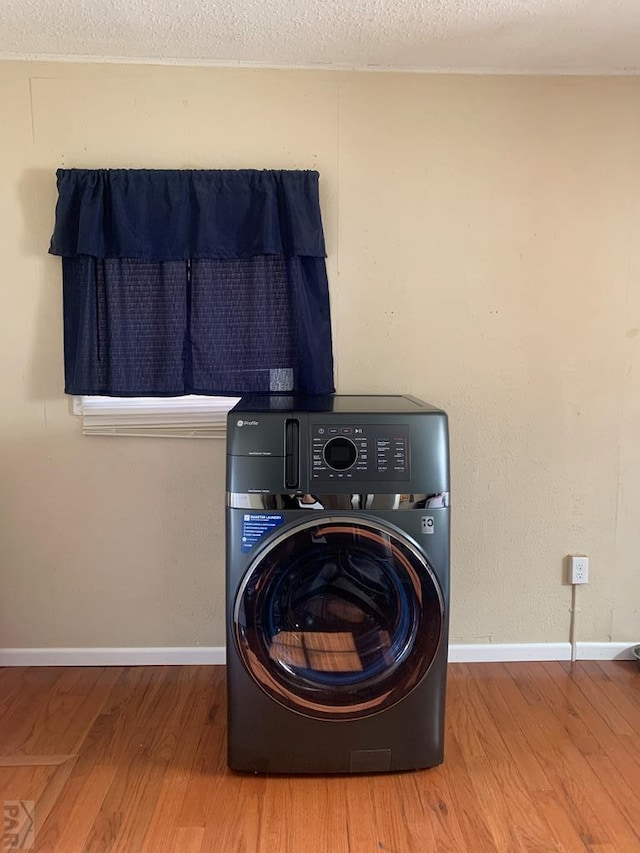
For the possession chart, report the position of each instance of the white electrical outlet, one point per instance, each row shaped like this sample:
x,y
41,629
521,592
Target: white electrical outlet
x,y
579,569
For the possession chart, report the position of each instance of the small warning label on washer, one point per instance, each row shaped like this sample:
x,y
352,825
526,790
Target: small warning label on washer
x,y
428,524
255,525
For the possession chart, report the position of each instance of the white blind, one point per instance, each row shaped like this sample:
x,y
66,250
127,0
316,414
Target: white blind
x,y
191,416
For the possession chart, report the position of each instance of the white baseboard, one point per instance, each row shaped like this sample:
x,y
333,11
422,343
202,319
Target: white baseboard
x,y
487,652
215,655
146,656
605,651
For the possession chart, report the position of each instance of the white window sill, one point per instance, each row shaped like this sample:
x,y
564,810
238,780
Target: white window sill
x,y
191,416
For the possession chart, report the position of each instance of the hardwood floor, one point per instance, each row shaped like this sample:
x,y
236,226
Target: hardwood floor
x,y
539,757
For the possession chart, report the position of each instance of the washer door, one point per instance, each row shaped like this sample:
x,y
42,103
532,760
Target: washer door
x,y
339,618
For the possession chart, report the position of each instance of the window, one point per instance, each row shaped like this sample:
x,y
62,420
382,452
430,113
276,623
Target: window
x,y
190,282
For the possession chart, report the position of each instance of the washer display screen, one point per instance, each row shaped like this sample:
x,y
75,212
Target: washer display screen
x,y
340,454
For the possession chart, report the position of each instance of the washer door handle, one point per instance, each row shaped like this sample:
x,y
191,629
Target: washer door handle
x,y
292,453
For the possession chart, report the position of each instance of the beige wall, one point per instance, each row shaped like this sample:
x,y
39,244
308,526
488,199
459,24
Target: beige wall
x,y
483,254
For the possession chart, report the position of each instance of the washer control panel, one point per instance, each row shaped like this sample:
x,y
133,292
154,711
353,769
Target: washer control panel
x,y
370,452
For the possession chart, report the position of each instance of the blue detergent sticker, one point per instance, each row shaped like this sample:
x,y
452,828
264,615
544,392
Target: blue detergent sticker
x,y
255,525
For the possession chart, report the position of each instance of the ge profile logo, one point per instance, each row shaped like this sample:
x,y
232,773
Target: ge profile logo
x,y
240,423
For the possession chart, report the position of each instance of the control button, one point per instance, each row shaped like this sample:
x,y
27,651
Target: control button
x,y
346,430
321,431
333,430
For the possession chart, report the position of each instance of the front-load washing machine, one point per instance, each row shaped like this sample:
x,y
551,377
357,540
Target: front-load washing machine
x,y
337,583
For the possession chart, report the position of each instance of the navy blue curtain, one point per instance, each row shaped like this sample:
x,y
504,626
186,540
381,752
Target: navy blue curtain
x,y
193,282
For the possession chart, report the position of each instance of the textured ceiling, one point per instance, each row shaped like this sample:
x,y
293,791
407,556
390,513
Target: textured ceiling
x,y
534,36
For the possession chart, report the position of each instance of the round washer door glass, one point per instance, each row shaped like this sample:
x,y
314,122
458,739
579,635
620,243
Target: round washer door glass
x,y
338,618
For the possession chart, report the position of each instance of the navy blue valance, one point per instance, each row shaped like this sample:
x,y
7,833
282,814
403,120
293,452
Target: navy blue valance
x,y
171,215
193,282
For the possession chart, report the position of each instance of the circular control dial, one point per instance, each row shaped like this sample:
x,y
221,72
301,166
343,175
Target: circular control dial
x,y
340,454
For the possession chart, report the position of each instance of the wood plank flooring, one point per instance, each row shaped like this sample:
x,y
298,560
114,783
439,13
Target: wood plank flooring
x,y
539,757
